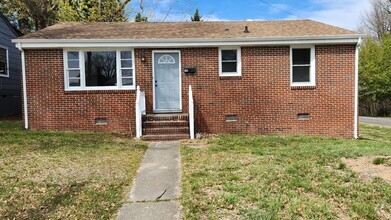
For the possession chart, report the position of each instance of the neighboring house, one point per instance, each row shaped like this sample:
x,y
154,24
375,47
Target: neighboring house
x,y
253,77
10,102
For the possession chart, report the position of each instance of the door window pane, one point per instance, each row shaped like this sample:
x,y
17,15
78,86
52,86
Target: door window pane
x,y
100,68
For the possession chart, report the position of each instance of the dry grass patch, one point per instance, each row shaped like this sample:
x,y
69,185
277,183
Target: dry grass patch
x,y
288,177
64,175
196,143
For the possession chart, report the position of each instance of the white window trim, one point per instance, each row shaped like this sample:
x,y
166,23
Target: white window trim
x,y
7,71
83,86
239,62
312,81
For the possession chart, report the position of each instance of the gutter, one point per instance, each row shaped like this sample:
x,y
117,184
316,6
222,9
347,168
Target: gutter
x,y
26,120
356,89
188,42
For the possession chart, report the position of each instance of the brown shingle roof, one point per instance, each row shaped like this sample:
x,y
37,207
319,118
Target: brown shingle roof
x,y
188,30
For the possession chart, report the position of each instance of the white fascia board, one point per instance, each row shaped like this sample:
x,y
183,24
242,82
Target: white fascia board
x,y
166,43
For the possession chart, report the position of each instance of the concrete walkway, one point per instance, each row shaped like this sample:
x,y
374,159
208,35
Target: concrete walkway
x,y
156,187
376,121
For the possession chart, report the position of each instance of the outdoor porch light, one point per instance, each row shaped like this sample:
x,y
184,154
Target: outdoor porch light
x,y
142,58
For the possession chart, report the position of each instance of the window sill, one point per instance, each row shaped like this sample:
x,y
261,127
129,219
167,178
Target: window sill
x,y
4,76
229,74
303,87
229,77
108,91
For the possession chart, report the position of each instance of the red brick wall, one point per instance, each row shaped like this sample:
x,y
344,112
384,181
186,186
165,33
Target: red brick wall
x,y
261,98
50,107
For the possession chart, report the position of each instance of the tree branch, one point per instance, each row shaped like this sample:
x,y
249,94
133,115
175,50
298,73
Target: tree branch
x,y
122,6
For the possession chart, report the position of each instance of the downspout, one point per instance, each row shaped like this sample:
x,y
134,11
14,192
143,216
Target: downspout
x,y
26,120
356,89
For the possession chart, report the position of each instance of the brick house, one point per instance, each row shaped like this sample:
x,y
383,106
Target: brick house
x,y
252,77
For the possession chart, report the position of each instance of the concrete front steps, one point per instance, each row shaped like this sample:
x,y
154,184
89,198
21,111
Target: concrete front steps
x,y
165,127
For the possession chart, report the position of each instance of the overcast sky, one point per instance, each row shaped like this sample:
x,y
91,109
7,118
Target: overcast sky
x,y
342,13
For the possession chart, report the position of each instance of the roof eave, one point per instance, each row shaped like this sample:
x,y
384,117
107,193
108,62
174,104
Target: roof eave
x,y
178,42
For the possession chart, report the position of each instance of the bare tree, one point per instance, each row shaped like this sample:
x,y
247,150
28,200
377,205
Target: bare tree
x,y
377,21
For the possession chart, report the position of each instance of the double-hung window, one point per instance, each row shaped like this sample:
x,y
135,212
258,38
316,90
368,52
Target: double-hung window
x,y
4,62
99,69
230,62
73,69
127,68
303,66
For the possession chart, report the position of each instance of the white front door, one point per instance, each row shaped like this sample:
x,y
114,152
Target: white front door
x,y
167,81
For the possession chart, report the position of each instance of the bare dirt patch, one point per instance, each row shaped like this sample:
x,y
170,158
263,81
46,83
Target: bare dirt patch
x,y
197,143
365,167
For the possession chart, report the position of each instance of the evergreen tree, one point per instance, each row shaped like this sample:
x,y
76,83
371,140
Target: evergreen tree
x,y
196,16
140,18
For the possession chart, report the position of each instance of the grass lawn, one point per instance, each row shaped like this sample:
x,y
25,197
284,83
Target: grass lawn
x,y
64,175
288,177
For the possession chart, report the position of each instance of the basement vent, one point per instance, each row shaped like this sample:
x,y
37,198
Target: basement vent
x,y
230,118
101,121
303,116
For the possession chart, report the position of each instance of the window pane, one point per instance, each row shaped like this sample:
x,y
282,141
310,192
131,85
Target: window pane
x,y
229,67
301,56
229,54
74,55
3,54
127,82
301,74
126,55
74,73
126,63
3,61
3,68
100,68
73,64
127,72
74,82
